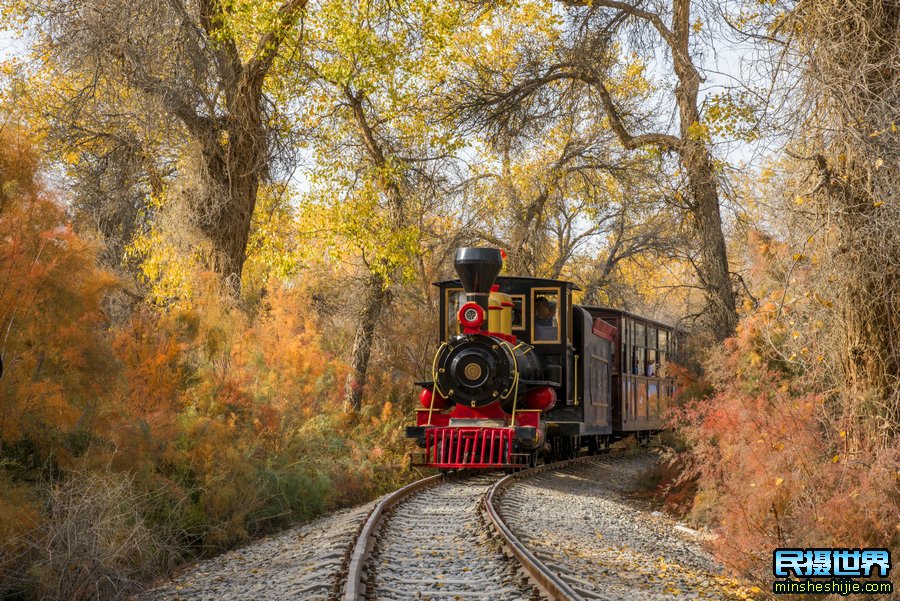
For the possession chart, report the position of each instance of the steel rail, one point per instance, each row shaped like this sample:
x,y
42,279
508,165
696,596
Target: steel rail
x,y
365,540
547,579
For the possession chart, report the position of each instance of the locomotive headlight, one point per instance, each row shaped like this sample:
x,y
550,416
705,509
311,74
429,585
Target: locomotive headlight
x,y
471,316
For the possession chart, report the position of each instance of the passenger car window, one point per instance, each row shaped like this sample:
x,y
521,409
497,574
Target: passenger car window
x,y
638,351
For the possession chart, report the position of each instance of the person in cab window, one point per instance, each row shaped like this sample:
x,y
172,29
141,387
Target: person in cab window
x,y
517,320
545,326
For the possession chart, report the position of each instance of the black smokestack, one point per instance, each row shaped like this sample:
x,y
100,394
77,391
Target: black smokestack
x,y
477,269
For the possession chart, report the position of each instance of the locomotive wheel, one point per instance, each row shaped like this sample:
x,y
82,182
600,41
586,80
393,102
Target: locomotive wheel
x,y
551,454
598,444
562,448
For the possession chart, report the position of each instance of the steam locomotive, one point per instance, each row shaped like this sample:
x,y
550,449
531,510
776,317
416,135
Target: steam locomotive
x,y
523,374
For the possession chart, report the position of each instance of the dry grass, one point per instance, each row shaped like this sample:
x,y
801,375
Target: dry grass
x,y
97,542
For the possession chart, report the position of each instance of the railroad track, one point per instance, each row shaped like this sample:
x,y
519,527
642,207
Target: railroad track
x,y
567,530
429,540
549,577
433,538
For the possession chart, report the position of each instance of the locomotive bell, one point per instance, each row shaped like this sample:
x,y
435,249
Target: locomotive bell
x,y
477,269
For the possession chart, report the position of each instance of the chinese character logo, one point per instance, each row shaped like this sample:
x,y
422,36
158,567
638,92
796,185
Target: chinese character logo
x,y
829,563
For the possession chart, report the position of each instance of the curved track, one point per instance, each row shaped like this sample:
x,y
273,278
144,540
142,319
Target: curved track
x,y
429,541
433,538
568,530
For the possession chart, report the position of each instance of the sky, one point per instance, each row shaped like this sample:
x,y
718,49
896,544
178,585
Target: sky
x,y
9,45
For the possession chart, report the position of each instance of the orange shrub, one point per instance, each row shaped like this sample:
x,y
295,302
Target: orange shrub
x,y
244,415
56,368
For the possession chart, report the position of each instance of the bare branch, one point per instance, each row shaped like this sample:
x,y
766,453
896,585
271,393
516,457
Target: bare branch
x,y
664,141
630,9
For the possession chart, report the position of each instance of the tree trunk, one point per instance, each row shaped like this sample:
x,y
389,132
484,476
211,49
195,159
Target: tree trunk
x,y
707,222
866,288
377,294
704,193
377,298
231,182
691,147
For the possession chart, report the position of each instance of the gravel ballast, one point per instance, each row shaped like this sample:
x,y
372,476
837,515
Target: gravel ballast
x,y
585,523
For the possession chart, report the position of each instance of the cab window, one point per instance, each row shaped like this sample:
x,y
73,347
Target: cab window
x,y
518,311
545,311
456,298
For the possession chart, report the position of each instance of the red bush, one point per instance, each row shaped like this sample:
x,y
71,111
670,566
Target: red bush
x,y
771,466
